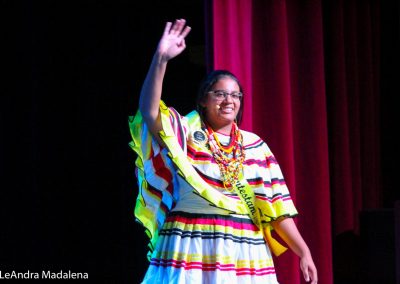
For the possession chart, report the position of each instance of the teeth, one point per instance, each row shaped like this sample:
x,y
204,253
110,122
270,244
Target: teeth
x,y
227,110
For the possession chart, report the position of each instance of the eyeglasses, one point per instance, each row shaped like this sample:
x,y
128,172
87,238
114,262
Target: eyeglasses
x,y
220,95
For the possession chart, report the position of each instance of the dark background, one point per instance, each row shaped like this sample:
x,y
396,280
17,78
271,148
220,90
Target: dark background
x,y
72,73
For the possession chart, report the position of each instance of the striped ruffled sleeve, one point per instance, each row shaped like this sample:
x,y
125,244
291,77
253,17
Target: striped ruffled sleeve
x,y
156,175
280,203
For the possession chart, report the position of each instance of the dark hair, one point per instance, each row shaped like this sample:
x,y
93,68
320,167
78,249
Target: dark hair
x,y
206,85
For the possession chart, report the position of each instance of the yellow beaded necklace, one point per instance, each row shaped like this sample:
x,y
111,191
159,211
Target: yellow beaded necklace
x,y
229,158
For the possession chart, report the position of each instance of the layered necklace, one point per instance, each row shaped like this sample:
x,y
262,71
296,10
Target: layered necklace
x,y
229,158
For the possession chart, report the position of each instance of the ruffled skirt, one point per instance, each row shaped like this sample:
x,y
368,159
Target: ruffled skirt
x,y
210,248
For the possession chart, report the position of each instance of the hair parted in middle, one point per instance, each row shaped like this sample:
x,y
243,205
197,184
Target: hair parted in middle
x,y
206,85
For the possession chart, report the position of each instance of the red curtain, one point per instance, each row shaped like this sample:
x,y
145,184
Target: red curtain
x,y
310,74
234,24
352,68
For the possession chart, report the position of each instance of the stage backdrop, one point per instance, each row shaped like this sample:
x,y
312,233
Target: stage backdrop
x,y
310,74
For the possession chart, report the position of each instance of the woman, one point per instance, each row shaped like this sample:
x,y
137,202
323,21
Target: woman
x,y
209,193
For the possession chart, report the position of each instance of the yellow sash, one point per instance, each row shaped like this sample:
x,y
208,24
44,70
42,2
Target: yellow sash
x,y
246,194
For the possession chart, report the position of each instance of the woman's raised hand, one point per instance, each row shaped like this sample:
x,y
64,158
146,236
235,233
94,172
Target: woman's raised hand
x,y
172,42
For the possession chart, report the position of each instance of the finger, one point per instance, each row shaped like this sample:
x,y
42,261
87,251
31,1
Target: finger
x,y
177,27
314,277
167,28
186,31
305,274
181,26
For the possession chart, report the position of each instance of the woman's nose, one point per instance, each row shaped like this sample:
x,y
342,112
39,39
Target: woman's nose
x,y
228,98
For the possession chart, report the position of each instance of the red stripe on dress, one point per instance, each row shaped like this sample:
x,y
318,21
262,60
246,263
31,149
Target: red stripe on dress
x,y
270,200
164,208
260,163
254,143
153,191
163,171
210,180
257,272
256,181
199,156
174,122
213,221
212,267
233,196
157,195
275,181
213,182
271,160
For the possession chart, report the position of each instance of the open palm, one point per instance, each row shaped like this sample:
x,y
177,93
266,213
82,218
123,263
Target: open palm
x,y
172,42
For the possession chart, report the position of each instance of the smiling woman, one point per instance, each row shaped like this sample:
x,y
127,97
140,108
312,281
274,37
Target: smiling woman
x,y
220,100
209,192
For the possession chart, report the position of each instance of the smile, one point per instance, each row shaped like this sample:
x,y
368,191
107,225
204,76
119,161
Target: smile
x,y
227,109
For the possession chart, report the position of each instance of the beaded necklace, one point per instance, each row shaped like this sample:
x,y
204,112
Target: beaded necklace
x,y
228,148
229,158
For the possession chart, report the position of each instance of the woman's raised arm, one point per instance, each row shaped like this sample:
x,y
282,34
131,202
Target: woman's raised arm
x,y
171,44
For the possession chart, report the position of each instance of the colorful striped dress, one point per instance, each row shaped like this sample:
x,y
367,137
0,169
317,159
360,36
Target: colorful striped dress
x,y
199,231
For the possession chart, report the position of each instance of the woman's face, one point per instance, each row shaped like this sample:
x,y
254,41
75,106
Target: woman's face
x,y
221,111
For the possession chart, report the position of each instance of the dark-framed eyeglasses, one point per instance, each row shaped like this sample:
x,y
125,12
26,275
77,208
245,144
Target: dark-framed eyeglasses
x,y
220,95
